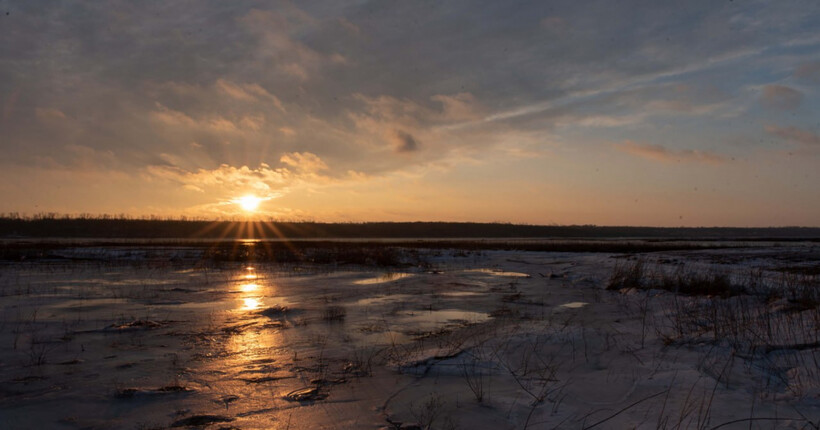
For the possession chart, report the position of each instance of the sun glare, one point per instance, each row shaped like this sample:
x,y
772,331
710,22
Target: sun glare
x,y
248,203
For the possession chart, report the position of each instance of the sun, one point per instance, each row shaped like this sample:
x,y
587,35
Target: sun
x,y
248,203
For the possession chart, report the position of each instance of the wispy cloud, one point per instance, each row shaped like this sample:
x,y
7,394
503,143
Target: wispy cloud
x,y
808,72
781,97
794,134
248,92
662,154
304,162
611,88
48,114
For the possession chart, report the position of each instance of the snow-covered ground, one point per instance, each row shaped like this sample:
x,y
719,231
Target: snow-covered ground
x,y
476,340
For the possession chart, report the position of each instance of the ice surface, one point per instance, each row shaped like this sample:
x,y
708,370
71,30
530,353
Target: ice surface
x,y
495,340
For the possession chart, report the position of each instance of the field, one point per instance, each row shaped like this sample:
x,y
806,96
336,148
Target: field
x,y
401,335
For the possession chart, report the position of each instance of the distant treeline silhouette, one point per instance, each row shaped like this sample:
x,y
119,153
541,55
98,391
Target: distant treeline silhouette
x,y
51,226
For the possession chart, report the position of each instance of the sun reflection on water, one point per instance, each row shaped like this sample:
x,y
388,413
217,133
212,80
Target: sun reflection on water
x,y
387,277
250,304
248,288
252,293
252,344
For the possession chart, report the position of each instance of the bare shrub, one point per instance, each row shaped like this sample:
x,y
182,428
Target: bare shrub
x,y
334,313
474,377
629,274
428,411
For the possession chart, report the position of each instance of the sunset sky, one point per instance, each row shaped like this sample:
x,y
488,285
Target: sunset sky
x,y
695,113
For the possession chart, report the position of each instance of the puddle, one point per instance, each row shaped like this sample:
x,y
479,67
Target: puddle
x,y
430,319
461,294
387,277
89,304
573,305
141,282
214,305
494,272
381,300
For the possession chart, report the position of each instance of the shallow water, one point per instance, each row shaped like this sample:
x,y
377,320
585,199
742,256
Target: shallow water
x,y
387,277
141,345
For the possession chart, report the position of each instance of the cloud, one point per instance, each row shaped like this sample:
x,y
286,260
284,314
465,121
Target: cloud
x,y
678,107
808,72
226,180
401,121
405,142
349,26
781,97
279,47
662,154
248,92
212,123
554,24
297,169
593,120
252,123
794,134
172,117
304,161
49,114
458,107
80,159
386,119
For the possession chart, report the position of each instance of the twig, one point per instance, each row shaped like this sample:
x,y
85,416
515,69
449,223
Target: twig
x,y
626,408
752,419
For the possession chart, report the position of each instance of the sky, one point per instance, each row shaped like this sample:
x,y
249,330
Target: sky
x,y
696,113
